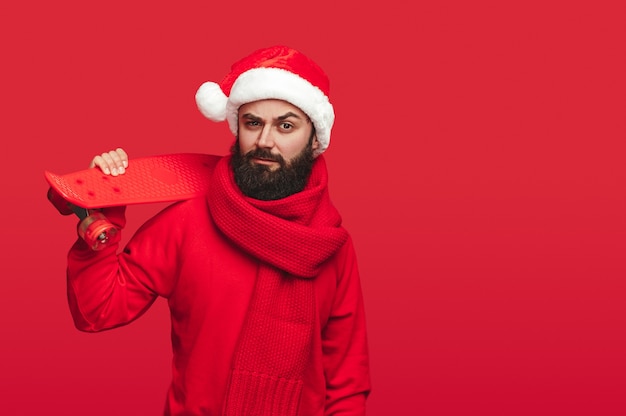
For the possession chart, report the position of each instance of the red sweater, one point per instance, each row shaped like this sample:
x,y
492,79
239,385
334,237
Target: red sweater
x,y
208,282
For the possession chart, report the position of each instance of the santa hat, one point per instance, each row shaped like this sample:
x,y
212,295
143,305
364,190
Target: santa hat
x,y
279,73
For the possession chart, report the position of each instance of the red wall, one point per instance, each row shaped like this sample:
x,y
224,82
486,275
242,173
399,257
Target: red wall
x,y
477,158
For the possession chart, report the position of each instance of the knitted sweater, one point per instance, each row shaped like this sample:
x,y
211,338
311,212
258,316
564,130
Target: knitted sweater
x,y
208,282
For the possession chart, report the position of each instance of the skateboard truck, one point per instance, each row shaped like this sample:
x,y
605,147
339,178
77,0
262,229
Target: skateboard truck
x,y
97,231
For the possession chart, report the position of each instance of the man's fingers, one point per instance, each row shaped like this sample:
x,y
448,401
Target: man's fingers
x,y
123,156
113,162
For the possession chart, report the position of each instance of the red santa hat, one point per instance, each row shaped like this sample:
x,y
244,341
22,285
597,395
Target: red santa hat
x,y
277,72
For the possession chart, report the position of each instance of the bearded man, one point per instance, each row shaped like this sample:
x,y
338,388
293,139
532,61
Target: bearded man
x,y
260,276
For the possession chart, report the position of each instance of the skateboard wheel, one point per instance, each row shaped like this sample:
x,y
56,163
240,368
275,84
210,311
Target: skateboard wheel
x,y
97,231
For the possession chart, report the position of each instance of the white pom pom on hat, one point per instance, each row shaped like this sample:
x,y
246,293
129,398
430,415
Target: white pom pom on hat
x,y
277,72
211,101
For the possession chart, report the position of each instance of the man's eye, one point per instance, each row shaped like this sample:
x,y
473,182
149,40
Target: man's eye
x,y
252,123
286,126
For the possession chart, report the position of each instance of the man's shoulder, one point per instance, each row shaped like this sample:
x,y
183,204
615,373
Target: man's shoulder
x,y
211,160
201,164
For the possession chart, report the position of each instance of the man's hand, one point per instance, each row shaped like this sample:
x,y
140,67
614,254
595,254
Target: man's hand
x,y
113,162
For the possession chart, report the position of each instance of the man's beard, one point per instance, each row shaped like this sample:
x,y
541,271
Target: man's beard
x,y
260,182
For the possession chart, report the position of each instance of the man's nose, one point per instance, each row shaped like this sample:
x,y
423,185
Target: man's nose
x,y
266,137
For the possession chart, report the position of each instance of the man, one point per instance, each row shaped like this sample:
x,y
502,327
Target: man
x,y
261,279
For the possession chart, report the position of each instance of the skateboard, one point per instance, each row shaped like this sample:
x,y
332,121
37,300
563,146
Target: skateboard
x,y
160,178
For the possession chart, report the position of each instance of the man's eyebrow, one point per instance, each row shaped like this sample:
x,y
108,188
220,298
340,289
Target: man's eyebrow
x,y
287,115
251,116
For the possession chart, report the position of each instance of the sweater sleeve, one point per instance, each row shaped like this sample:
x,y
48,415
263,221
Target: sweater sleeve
x,y
344,343
107,289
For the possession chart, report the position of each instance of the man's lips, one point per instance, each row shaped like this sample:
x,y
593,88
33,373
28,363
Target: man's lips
x,y
262,161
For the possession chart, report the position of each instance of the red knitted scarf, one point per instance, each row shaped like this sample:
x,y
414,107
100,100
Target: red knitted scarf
x,y
292,237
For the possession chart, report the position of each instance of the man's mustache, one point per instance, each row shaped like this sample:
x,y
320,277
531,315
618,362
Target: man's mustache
x,y
264,154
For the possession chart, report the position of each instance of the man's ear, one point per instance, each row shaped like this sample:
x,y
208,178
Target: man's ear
x,y
316,144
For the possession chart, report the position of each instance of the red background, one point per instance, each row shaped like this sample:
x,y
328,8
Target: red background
x,y
477,159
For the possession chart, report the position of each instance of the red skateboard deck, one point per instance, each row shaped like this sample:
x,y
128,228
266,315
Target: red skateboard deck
x,y
161,178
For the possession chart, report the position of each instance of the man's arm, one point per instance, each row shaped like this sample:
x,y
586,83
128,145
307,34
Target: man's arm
x,y
344,343
102,293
